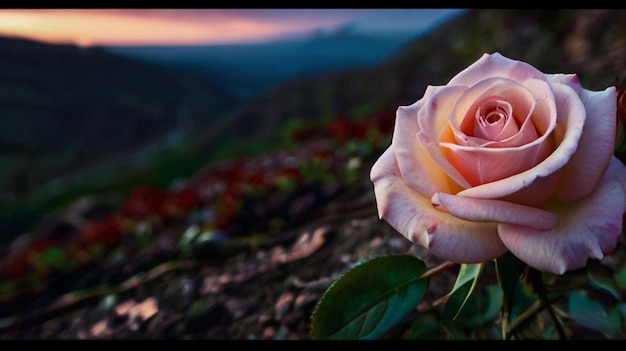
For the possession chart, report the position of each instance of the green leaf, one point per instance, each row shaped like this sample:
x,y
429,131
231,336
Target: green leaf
x,y
509,269
622,309
593,315
620,277
471,305
426,326
369,299
517,294
461,291
487,305
605,284
479,310
467,273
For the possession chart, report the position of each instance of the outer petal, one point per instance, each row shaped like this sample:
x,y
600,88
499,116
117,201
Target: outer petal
x,y
417,168
413,215
537,193
433,127
495,211
571,116
595,148
496,65
569,79
588,228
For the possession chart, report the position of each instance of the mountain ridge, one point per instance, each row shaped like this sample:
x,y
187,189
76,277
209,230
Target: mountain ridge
x,y
277,61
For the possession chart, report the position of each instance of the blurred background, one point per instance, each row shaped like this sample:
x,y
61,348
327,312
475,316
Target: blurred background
x,y
152,144
91,93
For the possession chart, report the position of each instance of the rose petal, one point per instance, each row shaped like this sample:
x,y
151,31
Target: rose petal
x,y
484,165
413,215
569,79
537,193
494,210
433,127
416,166
495,121
545,106
571,117
595,147
496,65
588,228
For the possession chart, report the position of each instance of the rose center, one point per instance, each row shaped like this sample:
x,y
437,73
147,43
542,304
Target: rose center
x,y
495,116
493,120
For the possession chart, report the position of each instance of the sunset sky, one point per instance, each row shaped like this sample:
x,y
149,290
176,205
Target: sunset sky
x,y
116,27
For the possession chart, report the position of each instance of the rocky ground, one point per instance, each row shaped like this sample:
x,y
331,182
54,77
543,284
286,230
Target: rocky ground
x,y
266,292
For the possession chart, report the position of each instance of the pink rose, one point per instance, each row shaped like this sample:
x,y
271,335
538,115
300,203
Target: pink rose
x,y
505,157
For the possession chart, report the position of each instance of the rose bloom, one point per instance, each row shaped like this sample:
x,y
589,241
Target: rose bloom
x,y
505,157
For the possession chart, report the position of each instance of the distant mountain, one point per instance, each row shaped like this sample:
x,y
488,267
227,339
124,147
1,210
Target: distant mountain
x,y
246,70
389,21
63,107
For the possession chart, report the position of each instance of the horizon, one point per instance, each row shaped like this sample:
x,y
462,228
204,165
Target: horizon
x,y
197,27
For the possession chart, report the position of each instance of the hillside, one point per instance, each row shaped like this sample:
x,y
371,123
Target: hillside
x,y
65,108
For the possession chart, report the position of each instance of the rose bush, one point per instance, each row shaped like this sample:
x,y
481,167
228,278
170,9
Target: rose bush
x,y
506,157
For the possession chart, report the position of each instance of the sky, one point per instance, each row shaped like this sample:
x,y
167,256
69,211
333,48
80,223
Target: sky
x,y
148,27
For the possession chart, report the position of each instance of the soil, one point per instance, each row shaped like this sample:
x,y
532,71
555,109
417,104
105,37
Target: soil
x,y
266,291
